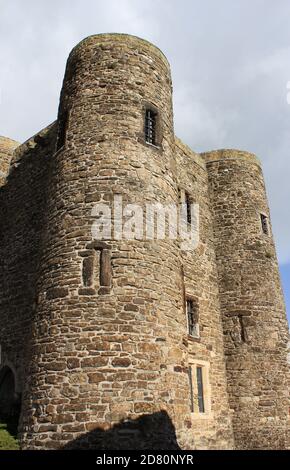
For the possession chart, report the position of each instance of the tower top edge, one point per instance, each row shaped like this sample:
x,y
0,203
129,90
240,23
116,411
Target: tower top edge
x,y
230,154
7,142
118,38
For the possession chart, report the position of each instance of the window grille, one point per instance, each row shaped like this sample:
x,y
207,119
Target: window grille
x,y
150,127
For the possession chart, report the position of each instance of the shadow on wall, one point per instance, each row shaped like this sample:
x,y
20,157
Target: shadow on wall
x,y
149,432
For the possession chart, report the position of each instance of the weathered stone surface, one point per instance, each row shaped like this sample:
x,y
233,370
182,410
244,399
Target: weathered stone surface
x,y
252,305
7,147
96,331
121,362
56,293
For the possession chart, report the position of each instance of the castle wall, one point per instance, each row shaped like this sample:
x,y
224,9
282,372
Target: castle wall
x,y
255,325
103,354
212,429
22,209
96,332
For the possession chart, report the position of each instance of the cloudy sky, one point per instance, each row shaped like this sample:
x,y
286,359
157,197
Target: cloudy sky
x,y
230,64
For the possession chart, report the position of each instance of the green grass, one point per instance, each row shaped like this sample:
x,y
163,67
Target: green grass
x,y
8,440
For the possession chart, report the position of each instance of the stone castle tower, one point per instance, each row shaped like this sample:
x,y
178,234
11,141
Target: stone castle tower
x,y
136,343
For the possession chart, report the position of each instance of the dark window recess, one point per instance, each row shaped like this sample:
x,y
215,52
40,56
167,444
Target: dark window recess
x,y
192,317
265,224
88,271
191,389
62,130
105,268
243,331
200,396
188,208
150,126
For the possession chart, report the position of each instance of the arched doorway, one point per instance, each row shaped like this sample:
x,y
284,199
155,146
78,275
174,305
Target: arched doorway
x,y
9,400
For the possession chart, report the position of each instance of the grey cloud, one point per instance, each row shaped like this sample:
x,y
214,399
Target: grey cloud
x,y
230,65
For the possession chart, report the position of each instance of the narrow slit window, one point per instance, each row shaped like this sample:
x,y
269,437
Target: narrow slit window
x,y
200,394
188,208
192,317
191,389
62,131
198,372
185,200
150,126
265,224
243,332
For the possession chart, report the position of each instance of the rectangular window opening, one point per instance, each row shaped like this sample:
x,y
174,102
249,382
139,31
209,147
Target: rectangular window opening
x,y
186,200
192,317
150,126
188,208
265,224
200,393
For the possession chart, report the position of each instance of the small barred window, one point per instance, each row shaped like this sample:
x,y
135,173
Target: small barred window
x,y
150,126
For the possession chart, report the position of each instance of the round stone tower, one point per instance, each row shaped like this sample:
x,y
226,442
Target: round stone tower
x,y
109,318
253,309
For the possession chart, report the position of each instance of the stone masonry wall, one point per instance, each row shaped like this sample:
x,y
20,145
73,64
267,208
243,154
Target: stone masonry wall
x,y
22,210
105,354
95,331
211,430
253,309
